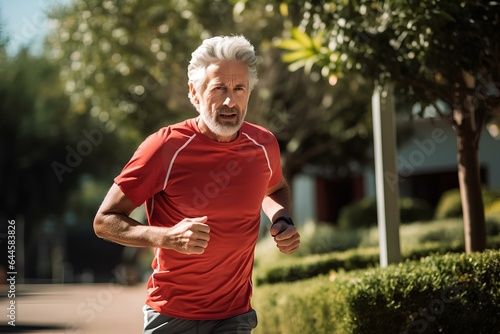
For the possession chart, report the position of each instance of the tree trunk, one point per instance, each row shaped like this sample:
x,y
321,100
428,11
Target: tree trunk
x,y
470,182
469,121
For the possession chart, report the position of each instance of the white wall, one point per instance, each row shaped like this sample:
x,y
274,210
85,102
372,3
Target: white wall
x,y
304,199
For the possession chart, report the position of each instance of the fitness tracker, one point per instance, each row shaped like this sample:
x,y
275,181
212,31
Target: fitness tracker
x,y
288,220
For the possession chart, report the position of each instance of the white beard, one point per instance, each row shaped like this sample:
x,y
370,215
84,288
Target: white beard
x,y
222,129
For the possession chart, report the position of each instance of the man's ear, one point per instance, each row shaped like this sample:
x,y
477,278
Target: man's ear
x,y
194,96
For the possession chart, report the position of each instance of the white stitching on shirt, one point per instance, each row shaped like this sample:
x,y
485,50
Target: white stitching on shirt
x,y
265,153
173,159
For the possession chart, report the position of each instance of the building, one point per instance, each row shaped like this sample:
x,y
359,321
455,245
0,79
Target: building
x,y
427,165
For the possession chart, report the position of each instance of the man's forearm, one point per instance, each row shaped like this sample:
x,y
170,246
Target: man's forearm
x,y
190,236
277,204
123,230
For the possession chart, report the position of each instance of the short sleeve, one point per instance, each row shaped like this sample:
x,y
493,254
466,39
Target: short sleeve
x,y
274,160
145,173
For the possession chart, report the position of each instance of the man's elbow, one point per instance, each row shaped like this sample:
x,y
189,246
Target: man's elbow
x,y
99,226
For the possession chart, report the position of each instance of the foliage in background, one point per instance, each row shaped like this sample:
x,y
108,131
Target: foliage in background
x,y
450,204
324,249
363,213
322,130
454,293
494,208
430,50
403,42
125,62
45,153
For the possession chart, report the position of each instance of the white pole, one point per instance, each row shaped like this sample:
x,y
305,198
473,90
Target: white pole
x,y
386,174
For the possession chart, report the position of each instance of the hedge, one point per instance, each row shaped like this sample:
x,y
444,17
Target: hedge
x,y
450,203
314,265
363,213
452,293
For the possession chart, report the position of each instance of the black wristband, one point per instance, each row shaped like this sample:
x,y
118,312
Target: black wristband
x,y
288,220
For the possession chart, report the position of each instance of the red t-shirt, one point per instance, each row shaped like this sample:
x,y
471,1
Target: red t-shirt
x,y
180,173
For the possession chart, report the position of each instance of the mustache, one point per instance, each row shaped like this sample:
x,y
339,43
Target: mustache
x,y
227,110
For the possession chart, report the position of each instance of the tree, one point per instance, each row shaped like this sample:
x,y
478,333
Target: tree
x,y
322,130
432,51
125,61
46,156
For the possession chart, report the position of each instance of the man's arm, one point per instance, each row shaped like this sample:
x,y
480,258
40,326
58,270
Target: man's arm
x,y
112,222
277,203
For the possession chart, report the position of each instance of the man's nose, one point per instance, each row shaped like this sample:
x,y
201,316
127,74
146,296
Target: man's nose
x,y
229,101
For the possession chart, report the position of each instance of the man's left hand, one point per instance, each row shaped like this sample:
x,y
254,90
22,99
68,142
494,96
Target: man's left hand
x,y
286,236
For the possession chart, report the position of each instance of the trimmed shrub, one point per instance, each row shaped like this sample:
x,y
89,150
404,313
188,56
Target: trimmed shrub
x,y
315,306
449,205
415,209
453,293
493,225
320,238
493,208
493,218
363,213
310,266
417,233
490,196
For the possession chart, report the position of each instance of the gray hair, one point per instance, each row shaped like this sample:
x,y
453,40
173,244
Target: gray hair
x,y
215,49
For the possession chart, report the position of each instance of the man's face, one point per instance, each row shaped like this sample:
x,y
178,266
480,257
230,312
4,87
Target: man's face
x,y
223,102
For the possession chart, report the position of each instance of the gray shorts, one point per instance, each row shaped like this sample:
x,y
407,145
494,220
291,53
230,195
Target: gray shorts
x,y
157,323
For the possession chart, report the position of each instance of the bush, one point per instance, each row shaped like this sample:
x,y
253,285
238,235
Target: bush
x,y
490,196
450,203
364,212
453,293
320,238
359,214
415,209
310,266
315,238
494,208
493,225
308,307
415,234
295,269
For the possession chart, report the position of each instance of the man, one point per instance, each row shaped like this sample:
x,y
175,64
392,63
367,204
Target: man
x,y
204,182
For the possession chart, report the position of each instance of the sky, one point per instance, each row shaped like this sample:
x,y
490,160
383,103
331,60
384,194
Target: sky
x,y
24,22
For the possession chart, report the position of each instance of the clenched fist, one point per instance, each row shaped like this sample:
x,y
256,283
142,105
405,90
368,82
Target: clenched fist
x,y
286,236
189,236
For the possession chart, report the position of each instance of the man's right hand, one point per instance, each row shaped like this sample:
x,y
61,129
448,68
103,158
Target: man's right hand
x,y
189,236
113,222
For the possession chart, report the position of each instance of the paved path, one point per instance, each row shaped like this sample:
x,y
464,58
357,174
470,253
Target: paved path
x,y
74,309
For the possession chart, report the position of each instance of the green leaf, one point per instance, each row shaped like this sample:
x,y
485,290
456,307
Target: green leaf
x,y
291,57
290,44
310,63
302,37
318,40
297,65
